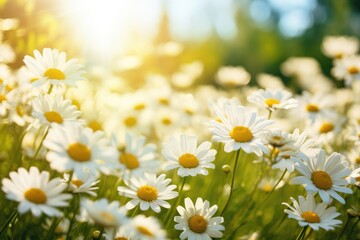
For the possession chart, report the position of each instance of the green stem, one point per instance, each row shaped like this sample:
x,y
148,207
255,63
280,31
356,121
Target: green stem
x,y
77,199
272,190
353,227
344,228
171,212
101,233
53,226
50,88
302,233
10,218
39,147
232,182
136,210
269,116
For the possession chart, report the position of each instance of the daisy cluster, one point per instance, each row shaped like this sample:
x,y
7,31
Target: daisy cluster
x,y
85,158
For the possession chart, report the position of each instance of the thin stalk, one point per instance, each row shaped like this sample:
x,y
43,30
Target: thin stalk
x,y
10,218
73,217
353,227
171,212
270,112
39,147
302,233
101,233
50,88
344,228
53,226
232,182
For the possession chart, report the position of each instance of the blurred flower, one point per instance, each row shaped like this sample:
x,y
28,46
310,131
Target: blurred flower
x,y
340,46
309,213
51,67
240,128
35,192
145,228
109,215
183,153
74,148
268,81
300,67
273,99
83,184
149,191
324,175
232,76
197,221
347,69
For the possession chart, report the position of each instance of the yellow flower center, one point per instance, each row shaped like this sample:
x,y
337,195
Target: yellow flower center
x,y
120,238
197,224
139,107
271,101
164,101
79,152
130,121
53,116
189,111
145,231
188,160
20,110
353,70
241,134
310,217
267,187
129,160
108,218
78,183
326,127
2,97
147,193
322,180
357,160
166,121
95,125
35,195
54,73
312,108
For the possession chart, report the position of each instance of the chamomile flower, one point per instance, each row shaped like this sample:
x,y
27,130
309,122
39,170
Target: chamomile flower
x,y
109,215
145,228
197,221
347,68
136,157
183,153
324,175
83,184
273,99
312,214
148,191
232,76
240,129
35,192
74,148
53,108
51,67
340,46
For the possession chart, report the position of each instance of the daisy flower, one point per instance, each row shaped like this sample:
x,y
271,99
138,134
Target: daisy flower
x,y
197,221
145,228
340,46
53,108
149,191
74,148
232,76
136,157
35,192
83,184
108,215
240,128
273,99
51,67
183,153
309,213
326,176
347,68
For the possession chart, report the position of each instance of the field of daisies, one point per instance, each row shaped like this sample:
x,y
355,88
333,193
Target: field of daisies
x,y
245,157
